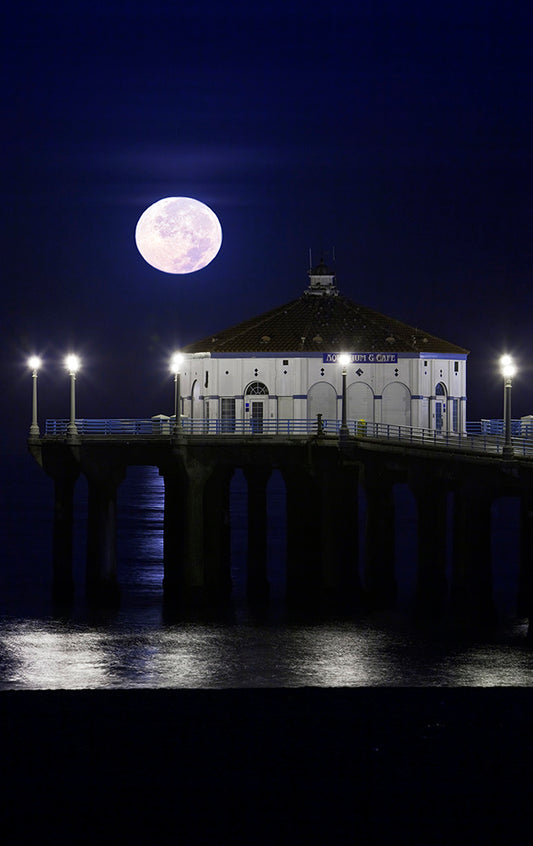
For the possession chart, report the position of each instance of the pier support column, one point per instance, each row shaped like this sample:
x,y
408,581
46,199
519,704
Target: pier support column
x,y
471,590
303,535
339,523
217,534
184,529
62,579
379,583
431,587
257,586
525,585
101,574
193,569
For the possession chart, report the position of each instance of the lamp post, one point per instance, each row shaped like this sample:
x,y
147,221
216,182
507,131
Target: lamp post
x,y
344,360
175,364
508,370
72,364
34,364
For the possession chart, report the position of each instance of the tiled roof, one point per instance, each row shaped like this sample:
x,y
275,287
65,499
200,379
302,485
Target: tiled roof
x,y
322,323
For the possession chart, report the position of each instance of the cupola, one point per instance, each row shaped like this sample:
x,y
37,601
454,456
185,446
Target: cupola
x,y
322,280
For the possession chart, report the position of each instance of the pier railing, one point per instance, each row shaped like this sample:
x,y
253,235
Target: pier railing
x,y
519,428
478,437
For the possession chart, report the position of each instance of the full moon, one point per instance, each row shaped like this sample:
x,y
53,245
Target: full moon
x,y
178,235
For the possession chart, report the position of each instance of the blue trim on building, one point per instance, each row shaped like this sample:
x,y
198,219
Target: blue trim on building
x,y
362,358
320,355
429,356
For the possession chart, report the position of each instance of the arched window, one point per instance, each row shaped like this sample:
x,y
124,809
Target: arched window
x,y
440,390
256,389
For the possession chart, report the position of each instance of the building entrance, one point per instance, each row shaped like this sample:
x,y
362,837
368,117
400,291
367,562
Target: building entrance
x,y
256,416
440,407
256,397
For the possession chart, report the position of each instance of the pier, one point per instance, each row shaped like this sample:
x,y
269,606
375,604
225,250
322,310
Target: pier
x,y
323,469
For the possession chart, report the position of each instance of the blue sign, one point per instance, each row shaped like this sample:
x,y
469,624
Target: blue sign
x,y
363,358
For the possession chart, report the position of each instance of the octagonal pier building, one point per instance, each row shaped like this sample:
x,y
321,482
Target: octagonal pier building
x,y
282,366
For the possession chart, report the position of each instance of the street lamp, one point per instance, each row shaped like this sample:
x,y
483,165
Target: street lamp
x,y
72,364
344,360
175,364
34,363
508,370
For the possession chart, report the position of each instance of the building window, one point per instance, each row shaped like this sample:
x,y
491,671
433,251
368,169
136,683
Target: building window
x,y
285,362
456,366
227,414
440,390
455,415
256,389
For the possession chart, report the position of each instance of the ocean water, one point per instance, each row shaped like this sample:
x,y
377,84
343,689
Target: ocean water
x,y
139,646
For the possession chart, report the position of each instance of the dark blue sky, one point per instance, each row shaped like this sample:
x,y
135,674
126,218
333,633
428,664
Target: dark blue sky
x,y
399,132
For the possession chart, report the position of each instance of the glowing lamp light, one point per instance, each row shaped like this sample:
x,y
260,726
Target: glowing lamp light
x,y
508,367
72,364
34,363
509,370
175,362
344,359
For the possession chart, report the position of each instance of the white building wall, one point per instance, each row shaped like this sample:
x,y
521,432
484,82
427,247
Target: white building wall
x,y
288,378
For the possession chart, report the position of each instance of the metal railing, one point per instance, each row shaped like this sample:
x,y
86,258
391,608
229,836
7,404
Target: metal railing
x,y
519,428
160,426
477,438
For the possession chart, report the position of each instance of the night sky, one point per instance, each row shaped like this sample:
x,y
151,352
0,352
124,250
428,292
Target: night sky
x,y
399,133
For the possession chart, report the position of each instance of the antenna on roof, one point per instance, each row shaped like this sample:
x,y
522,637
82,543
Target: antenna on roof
x,y
310,259
333,251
